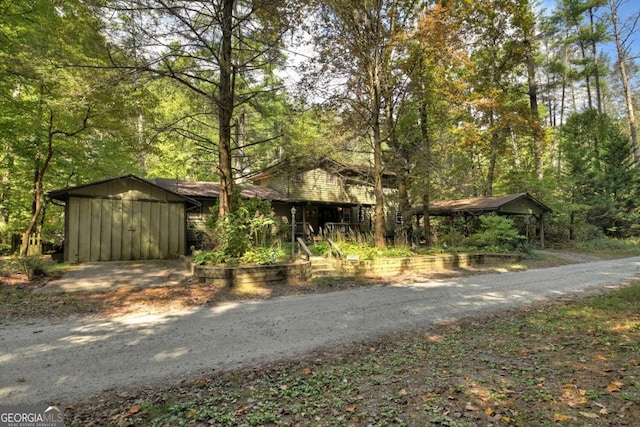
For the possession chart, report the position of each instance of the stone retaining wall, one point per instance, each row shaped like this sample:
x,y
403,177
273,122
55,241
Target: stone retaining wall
x,y
387,267
280,274
301,272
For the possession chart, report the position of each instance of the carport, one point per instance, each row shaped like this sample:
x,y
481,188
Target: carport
x,y
520,204
122,219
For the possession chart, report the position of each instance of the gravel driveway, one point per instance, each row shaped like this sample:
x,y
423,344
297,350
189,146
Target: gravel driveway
x,y
58,363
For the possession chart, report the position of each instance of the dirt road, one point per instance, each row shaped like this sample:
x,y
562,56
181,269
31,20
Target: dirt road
x,y
43,362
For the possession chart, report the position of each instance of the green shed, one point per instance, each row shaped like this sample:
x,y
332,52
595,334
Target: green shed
x,y
121,219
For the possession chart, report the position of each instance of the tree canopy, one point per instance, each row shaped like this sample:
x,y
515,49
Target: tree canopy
x,y
457,98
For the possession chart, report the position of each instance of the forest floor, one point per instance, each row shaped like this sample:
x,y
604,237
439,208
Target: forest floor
x,y
574,361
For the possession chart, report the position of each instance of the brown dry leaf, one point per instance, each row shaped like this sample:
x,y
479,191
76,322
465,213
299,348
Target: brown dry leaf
x,y
134,409
634,363
350,409
306,371
284,387
562,417
470,407
489,411
601,358
614,386
589,415
505,419
402,392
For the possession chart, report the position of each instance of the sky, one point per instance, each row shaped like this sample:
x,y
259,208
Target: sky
x,y
626,10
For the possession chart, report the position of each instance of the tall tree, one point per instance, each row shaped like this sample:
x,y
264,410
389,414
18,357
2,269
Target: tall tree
x,y
356,41
621,35
49,104
221,50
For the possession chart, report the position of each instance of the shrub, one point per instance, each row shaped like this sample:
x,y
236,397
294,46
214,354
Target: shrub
x,y
31,266
250,225
496,233
263,256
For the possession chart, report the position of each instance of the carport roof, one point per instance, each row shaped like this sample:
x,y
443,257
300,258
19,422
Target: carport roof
x,y
509,204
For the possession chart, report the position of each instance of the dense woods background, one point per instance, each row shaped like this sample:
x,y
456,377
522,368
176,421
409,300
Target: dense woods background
x,y
458,98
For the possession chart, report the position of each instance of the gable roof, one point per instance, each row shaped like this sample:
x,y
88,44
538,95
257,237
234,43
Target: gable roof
x,y
83,189
514,204
326,163
211,190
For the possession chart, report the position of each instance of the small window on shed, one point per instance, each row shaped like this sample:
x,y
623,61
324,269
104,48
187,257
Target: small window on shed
x,y
331,179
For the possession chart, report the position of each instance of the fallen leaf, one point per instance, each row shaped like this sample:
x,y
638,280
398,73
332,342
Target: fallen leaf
x,y
488,411
470,407
284,387
602,358
614,386
562,417
192,412
134,409
350,409
306,371
402,392
588,415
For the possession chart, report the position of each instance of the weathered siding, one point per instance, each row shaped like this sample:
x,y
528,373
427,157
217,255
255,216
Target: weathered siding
x,y
103,229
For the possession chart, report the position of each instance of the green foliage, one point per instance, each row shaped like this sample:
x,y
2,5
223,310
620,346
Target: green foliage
x,y
369,252
496,232
249,226
604,244
31,266
264,256
600,173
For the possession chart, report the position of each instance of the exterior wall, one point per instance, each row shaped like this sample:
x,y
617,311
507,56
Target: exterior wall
x,y
102,229
123,219
523,206
318,185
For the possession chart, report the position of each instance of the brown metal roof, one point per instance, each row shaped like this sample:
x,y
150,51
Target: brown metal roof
x,y
480,205
211,190
63,194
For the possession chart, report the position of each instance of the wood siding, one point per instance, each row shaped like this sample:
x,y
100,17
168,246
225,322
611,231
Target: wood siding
x,y
318,185
122,230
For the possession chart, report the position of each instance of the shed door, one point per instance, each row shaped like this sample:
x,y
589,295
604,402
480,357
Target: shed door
x,y
121,230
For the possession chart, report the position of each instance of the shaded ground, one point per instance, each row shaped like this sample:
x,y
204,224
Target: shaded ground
x,y
19,302
570,362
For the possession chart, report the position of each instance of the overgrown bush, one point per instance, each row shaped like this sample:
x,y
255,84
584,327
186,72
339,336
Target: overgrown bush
x,y
264,256
496,233
31,266
249,226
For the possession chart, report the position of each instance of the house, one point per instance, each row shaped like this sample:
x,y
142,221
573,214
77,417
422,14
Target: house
x,y
131,218
331,196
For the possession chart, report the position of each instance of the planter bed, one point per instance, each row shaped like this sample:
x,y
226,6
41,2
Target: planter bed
x,y
279,274
387,267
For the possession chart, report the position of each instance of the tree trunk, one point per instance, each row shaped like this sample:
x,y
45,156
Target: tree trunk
x,y
426,144
225,112
379,221
493,158
37,190
596,70
622,56
535,114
